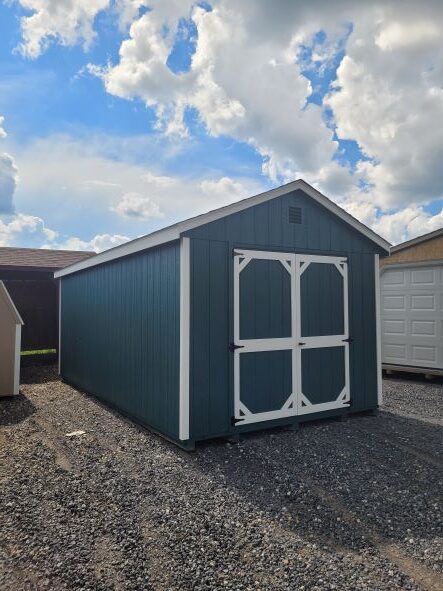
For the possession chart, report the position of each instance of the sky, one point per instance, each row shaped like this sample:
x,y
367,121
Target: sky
x,y
119,117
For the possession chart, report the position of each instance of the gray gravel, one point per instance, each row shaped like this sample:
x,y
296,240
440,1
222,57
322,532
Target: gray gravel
x,y
337,505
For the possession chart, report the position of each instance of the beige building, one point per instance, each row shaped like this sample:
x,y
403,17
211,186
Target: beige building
x,y
411,284
10,338
426,248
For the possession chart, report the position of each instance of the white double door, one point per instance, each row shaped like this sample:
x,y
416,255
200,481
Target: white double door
x,y
291,335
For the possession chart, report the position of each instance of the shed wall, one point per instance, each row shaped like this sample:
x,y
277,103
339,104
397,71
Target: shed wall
x,y
267,227
120,335
431,250
37,302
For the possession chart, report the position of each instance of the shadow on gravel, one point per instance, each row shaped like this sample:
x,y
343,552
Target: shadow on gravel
x,y
38,374
413,378
15,409
367,481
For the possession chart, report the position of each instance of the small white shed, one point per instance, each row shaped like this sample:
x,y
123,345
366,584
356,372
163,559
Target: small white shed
x,y
10,339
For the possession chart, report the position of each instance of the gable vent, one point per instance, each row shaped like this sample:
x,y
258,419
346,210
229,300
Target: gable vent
x,y
295,215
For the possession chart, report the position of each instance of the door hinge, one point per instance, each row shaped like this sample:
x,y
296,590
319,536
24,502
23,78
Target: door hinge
x,y
348,340
233,347
234,421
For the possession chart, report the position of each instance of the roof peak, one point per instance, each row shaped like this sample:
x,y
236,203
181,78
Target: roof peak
x,y
174,231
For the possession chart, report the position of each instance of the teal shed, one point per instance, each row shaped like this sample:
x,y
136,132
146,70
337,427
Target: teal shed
x,y
258,314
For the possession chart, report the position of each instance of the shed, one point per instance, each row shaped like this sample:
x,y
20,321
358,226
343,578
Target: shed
x,y
257,314
412,305
28,274
10,337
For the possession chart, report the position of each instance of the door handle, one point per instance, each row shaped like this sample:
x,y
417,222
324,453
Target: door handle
x,y
233,347
301,344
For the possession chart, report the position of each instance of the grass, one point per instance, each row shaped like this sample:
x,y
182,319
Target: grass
x,y
39,352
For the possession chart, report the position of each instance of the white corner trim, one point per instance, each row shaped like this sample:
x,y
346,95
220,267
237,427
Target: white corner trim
x,y
17,358
378,328
185,310
174,232
59,326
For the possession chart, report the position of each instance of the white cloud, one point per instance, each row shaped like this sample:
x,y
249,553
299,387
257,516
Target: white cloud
x,y
389,98
408,223
3,133
63,21
138,206
87,193
8,177
399,35
31,231
224,188
245,82
86,179
261,101
23,229
8,183
98,243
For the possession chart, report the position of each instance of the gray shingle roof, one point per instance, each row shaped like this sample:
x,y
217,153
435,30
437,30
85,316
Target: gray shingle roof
x,y
39,258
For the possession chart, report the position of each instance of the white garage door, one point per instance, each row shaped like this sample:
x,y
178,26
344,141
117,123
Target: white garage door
x,y
412,316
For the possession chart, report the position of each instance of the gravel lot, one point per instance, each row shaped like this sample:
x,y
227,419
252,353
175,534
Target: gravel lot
x,y
337,505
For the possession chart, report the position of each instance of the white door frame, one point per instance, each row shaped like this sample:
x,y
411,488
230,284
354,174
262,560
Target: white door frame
x,y
297,402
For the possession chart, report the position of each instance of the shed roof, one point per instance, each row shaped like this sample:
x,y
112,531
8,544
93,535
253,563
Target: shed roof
x,y
7,301
176,230
40,259
418,240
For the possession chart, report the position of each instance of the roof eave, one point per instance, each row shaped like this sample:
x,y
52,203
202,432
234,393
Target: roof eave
x,y
417,240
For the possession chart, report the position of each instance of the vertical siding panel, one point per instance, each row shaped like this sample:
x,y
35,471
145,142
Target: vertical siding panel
x,y
247,235
275,222
261,224
120,335
234,229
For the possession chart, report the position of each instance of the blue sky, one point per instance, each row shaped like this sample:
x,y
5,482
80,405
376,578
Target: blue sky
x,y
110,145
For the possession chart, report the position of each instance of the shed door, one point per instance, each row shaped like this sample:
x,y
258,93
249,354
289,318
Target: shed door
x,y
290,329
322,333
